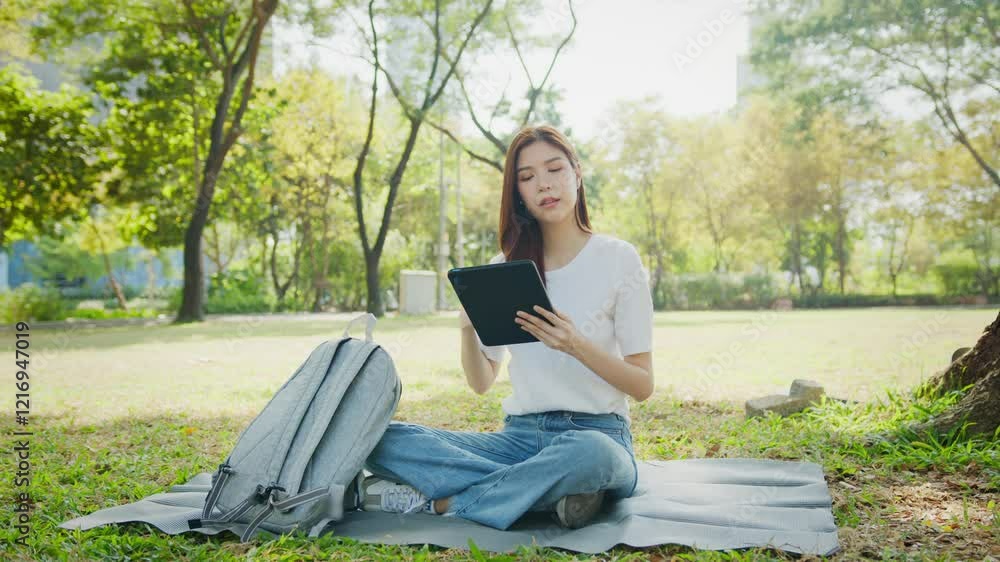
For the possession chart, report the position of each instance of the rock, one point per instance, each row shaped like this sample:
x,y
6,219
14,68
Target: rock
x,y
777,403
810,390
804,393
959,352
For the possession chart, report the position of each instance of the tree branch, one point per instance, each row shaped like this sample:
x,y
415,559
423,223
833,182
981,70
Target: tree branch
x,y
472,30
363,155
197,24
492,163
437,47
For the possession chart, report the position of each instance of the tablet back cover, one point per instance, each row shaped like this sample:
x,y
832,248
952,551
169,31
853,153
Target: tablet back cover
x,y
492,294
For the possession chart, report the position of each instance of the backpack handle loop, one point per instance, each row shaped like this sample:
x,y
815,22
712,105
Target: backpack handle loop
x,y
369,325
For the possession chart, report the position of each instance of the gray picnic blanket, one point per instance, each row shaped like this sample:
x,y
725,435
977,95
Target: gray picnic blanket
x,y
713,504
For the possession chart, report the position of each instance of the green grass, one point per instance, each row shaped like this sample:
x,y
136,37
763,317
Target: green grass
x,y
121,413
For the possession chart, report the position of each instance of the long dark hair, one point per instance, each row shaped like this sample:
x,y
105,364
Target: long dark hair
x,y
519,233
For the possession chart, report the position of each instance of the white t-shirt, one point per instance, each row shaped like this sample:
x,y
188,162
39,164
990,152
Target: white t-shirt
x,y
605,291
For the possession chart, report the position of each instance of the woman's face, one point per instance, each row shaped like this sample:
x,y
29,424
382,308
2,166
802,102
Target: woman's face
x,y
543,173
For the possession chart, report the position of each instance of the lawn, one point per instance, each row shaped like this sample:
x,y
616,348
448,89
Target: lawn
x,y
120,413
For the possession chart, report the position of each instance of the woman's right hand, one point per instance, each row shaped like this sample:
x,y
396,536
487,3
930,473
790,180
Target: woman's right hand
x,y
463,318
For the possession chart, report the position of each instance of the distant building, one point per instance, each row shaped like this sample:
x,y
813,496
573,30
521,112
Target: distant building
x,y
147,272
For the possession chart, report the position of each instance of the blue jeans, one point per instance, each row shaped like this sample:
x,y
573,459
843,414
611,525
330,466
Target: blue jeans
x,y
495,477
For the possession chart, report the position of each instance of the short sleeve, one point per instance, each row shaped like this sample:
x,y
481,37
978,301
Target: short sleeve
x,y
633,304
494,352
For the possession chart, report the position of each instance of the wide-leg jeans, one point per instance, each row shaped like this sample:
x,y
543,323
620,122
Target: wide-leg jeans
x,y
495,477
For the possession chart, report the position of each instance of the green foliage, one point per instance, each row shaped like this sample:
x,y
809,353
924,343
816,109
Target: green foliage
x,y
66,258
869,47
400,254
237,291
51,154
704,291
97,314
236,303
347,288
837,300
158,127
130,292
31,303
177,81
60,257
708,291
233,281
956,272
761,288
893,414
174,297
293,302
14,34
722,193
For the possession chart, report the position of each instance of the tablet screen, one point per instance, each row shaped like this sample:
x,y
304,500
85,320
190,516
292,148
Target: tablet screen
x,y
492,294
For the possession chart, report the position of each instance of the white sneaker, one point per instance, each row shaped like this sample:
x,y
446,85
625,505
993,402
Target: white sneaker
x,y
385,495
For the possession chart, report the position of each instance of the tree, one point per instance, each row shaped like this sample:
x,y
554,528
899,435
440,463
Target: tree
x,y
235,58
946,52
712,156
14,34
786,179
52,155
642,149
415,112
284,174
475,88
156,54
896,230
100,233
850,155
901,188
964,208
979,371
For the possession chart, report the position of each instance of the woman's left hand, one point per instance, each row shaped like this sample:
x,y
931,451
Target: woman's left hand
x,y
560,335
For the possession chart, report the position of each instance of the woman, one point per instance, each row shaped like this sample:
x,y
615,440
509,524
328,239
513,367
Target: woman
x,y
566,443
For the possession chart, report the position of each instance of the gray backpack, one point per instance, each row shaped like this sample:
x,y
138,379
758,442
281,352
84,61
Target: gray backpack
x,y
302,458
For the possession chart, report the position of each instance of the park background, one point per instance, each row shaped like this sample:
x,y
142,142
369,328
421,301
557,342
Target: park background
x,y
847,187
761,156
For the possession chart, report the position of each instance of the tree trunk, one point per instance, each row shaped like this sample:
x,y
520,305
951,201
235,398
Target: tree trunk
x,y
115,287
320,282
281,289
373,253
263,255
224,130
797,256
416,115
194,284
841,243
374,301
980,367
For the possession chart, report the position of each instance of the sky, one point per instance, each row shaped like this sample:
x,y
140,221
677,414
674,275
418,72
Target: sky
x,y
684,51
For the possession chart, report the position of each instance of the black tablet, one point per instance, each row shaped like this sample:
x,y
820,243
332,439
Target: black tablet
x,y
492,294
